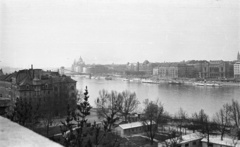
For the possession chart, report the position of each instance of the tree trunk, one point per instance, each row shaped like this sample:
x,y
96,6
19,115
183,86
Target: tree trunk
x,y
222,133
47,129
125,118
208,139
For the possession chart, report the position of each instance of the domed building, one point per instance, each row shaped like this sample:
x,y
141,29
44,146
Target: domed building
x,y
77,66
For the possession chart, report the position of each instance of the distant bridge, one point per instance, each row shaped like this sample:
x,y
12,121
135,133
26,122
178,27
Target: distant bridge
x,y
65,71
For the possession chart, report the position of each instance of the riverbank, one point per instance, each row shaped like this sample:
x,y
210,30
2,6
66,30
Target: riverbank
x,y
230,84
156,80
179,82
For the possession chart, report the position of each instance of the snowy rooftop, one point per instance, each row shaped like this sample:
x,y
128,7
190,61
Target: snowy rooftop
x,y
14,135
226,141
133,125
191,137
188,138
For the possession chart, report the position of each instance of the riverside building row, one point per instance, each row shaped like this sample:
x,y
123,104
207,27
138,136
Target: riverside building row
x,y
213,69
195,69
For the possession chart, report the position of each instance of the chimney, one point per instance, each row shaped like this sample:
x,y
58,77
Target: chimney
x,y
32,71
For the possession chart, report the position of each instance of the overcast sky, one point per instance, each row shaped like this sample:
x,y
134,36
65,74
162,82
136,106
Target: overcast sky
x,y
52,33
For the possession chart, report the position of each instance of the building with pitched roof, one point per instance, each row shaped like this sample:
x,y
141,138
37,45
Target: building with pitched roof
x,y
145,68
200,140
215,141
8,92
43,87
174,70
189,140
1,72
128,129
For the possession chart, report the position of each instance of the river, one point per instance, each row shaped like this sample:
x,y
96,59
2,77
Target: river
x,y
188,97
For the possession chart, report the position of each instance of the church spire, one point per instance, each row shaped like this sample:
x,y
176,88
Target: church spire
x,y
80,59
238,56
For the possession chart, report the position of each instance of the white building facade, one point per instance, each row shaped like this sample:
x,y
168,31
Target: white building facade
x,y
131,128
237,70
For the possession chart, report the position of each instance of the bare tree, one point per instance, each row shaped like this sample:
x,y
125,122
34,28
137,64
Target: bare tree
x,y
153,113
235,113
109,106
199,120
76,136
173,140
235,120
234,133
24,112
204,124
48,121
181,117
222,119
129,103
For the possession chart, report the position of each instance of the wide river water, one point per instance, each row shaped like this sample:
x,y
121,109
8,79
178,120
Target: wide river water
x,y
188,97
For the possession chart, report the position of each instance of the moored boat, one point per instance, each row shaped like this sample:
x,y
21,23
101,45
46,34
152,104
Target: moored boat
x,y
149,81
199,84
174,82
207,84
108,78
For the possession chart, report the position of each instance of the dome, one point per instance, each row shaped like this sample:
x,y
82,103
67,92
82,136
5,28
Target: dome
x,y
146,62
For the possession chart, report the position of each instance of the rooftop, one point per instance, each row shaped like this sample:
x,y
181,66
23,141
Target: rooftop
x,y
133,125
217,140
14,135
189,138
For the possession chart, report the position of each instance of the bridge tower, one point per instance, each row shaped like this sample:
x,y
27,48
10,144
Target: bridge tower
x,y
61,71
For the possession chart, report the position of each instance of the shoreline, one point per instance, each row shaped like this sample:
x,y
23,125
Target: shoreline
x,y
153,80
191,82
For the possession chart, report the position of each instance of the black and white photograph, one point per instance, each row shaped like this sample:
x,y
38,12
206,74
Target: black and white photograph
x,y
119,73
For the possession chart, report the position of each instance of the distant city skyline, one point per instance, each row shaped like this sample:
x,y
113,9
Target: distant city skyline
x,y
51,33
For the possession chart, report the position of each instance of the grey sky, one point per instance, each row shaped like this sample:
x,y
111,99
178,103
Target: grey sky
x,y
52,33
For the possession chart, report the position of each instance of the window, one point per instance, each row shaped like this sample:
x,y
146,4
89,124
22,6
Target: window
x,y
46,85
0,95
210,145
187,145
194,142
